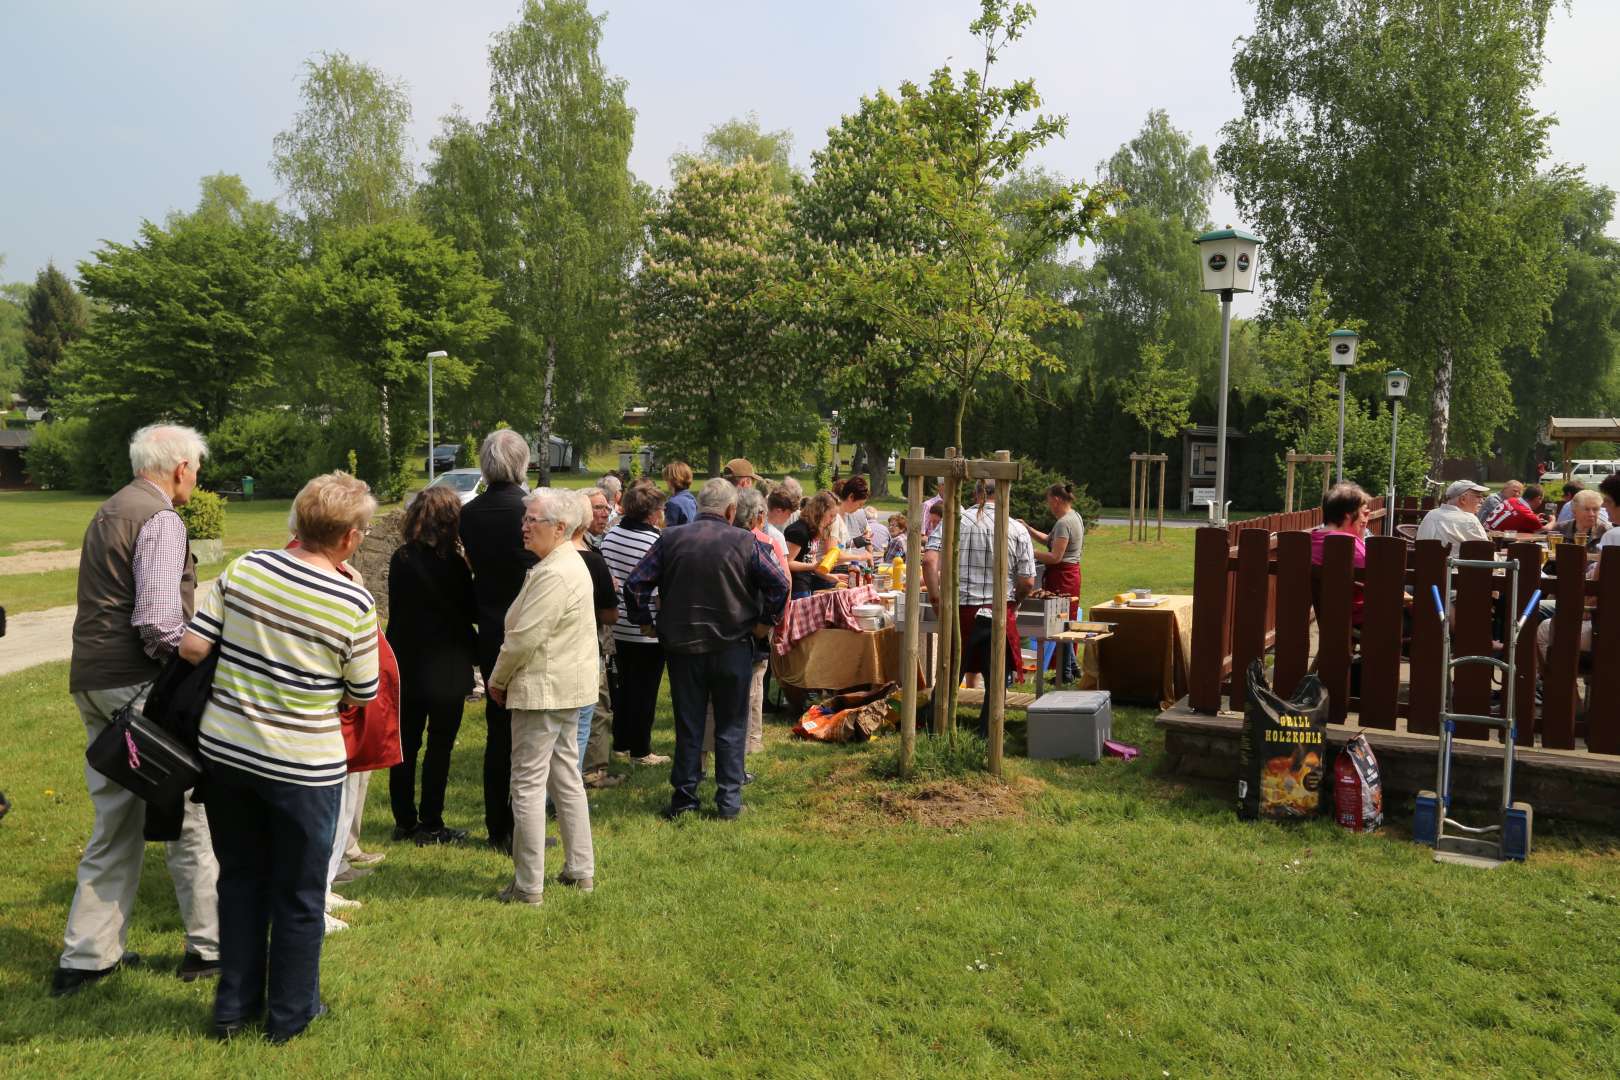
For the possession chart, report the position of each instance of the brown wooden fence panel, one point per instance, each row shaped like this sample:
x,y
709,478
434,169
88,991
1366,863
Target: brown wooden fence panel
x,y
1335,592
1564,658
1253,608
1603,717
1383,617
1210,626
1471,636
1423,694
1524,680
1293,584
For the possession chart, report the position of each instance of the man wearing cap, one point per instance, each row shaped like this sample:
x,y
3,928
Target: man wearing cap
x,y
1456,521
739,472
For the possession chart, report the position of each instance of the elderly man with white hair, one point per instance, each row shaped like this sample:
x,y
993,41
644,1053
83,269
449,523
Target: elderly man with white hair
x,y
137,583
718,586
545,673
1456,521
492,535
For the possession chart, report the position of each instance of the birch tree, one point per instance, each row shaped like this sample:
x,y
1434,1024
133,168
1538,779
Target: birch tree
x,y
1390,149
541,190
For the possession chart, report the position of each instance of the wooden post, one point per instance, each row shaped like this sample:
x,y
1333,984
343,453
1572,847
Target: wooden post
x,y
1288,486
908,644
1130,528
945,608
1164,459
996,681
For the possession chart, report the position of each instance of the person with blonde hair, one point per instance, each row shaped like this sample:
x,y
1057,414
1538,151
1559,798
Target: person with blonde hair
x,y
297,640
545,673
137,580
682,504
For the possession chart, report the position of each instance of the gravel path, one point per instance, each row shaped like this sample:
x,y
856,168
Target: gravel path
x,y
37,637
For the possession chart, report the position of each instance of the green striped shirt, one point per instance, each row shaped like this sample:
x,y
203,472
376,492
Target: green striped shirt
x,y
292,641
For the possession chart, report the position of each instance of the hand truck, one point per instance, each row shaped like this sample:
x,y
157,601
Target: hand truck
x,y
1453,842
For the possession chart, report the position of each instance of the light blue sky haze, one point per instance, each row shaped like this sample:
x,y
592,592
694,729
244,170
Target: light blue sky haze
x,y
113,111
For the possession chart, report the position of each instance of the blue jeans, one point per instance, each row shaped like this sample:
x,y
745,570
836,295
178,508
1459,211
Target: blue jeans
x,y
585,714
273,841
695,681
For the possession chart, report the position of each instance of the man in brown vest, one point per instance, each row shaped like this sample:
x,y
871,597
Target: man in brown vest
x,y
136,585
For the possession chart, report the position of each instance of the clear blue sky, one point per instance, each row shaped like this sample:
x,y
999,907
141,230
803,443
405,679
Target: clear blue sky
x,y
114,110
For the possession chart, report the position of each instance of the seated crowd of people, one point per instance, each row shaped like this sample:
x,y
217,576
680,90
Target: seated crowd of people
x,y
568,606
1470,511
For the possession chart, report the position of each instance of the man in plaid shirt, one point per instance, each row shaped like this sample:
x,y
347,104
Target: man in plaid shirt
x,y
976,554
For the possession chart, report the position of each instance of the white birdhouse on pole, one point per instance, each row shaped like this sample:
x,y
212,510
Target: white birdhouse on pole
x,y
1230,259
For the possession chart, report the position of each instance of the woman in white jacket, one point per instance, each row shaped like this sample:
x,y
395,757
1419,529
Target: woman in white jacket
x,y
547,670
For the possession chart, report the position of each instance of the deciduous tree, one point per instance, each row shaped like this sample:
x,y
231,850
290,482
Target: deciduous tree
x,y
542,191
346,160
717,375
370,306
964,305
190,313
1390,150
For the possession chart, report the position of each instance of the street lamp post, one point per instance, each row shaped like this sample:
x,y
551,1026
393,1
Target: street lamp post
x,y
835,443
436,354
1396,384
1230,261
1342,355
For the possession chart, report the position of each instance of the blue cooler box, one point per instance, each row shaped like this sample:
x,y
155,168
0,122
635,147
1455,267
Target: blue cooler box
x,y
1070,723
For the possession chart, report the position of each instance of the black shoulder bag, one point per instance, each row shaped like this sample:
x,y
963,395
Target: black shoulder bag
x,y
138,754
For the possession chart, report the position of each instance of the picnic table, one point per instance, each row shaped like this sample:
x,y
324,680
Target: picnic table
x,y
1146,658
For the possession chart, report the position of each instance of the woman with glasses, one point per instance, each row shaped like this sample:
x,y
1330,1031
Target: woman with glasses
x,y
545,673
297,640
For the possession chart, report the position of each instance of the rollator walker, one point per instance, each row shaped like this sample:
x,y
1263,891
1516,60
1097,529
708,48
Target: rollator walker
x,y
1453,842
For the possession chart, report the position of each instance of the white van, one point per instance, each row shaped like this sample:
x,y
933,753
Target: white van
x,y
1584,471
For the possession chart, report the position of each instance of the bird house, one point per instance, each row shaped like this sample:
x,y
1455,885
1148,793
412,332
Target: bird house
x,y
1396,384
1230,259
1342,348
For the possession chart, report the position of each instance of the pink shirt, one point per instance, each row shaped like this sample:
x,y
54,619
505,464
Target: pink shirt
x,y
1358,560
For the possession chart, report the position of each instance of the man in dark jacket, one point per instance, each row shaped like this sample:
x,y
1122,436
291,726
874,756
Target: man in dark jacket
x,y
492,534
716,585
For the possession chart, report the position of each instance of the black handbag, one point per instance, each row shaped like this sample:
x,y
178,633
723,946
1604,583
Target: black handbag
x,y
139,755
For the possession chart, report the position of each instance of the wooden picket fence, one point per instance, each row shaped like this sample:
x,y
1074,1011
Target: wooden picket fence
x,y
1256,591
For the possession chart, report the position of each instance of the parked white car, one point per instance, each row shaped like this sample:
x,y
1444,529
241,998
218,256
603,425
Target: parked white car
x,y
1585,471
466,483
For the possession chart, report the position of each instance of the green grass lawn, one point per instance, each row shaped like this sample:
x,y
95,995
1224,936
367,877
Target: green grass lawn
x,y
1115,922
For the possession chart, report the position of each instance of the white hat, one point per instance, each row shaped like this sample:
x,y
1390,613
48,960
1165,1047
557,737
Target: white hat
x,y
1459,488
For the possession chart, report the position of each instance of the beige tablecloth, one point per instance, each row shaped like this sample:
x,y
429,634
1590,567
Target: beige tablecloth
x,y
841,659
1145,662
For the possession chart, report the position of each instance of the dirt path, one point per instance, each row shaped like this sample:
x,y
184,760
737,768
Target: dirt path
x,y
37,637
37,562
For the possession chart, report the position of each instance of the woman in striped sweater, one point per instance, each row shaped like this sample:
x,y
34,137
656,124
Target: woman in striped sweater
x,y
296,640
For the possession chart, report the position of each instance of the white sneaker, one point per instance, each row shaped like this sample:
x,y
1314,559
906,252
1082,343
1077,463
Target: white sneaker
x,y
335,925
651,759
334,902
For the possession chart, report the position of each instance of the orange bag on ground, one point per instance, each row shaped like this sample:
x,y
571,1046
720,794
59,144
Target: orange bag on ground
x,y
852,717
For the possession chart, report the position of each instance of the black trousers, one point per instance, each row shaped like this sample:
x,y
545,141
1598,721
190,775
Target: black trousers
x,y
697,681
641,668
497,771
440,719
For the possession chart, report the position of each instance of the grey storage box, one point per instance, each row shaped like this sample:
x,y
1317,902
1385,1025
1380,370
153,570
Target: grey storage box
x,y
1070,723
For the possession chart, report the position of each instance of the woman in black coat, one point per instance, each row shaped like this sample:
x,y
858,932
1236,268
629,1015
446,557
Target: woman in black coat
x,y
431,613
